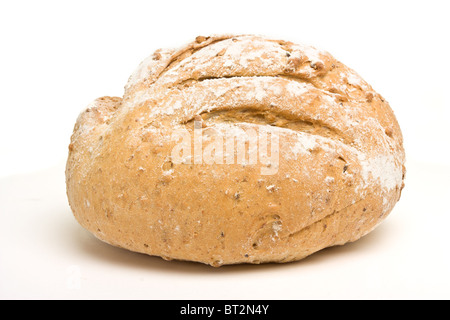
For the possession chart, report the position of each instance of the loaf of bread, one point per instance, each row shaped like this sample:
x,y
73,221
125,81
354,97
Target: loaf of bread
x,y
236,149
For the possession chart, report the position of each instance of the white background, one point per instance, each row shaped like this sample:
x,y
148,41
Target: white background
x,y
58,56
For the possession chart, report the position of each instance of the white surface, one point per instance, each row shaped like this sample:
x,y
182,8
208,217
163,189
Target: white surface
x,y
46,254
57,57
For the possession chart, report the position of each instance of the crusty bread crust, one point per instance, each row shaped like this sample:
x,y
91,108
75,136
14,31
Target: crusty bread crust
x,y
340,171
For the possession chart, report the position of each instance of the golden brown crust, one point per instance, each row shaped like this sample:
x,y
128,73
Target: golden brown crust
x,y
340,172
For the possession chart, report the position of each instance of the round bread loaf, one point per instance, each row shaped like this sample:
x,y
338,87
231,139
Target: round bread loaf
x,y
236,149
